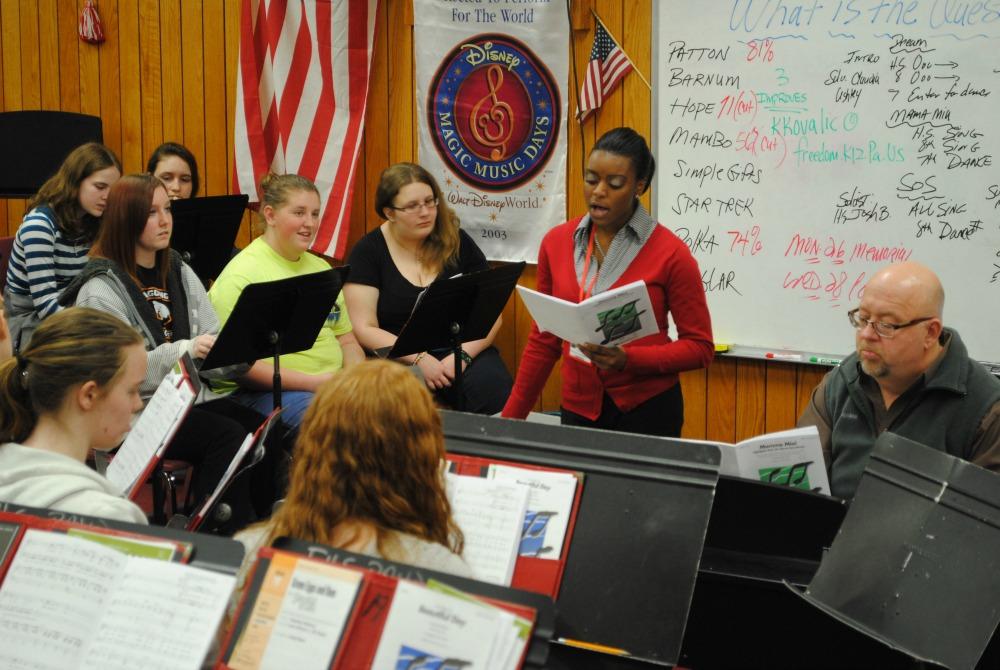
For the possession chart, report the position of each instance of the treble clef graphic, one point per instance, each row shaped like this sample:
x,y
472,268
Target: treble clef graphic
x,y
493,127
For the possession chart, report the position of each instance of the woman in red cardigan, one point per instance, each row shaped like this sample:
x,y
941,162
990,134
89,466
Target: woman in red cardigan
x,y
633,388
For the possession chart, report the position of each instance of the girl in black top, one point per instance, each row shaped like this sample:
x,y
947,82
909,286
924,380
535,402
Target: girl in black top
x,y
418,243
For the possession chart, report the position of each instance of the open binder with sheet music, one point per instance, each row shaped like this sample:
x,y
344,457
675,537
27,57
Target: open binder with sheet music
x,y
517,519
150,435
76,595
312,615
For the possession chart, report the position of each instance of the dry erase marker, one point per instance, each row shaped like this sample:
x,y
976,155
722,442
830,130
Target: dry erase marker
x,y
594,647
721,348
824,361
783,357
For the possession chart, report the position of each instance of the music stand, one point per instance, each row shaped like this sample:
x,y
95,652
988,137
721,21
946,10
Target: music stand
x,y
452,311
205,230
274,318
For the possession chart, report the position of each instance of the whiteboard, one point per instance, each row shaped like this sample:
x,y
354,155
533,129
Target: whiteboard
x,y
801,146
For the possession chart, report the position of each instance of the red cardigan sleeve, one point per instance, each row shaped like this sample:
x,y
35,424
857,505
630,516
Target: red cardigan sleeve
x,y
540,353
693,348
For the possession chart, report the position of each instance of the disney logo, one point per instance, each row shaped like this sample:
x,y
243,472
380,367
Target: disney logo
x,y
485,53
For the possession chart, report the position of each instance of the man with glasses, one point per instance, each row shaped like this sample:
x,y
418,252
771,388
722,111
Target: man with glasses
x,y
909,375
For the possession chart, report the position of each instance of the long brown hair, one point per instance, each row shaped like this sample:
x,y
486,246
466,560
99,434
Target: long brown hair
x,y
125,217
71,347
442,245
369,451
61,191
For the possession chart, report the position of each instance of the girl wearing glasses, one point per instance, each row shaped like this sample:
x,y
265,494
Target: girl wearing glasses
x,y
418,243
633,388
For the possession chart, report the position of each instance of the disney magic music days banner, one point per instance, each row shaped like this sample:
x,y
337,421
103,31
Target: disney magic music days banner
x,y
491,81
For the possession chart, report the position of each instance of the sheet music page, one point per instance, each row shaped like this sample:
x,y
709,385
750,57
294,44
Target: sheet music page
x,y
427,629
513,634
789,458
299,616
491,516
52,598
154,428
160,616
550,503
610,318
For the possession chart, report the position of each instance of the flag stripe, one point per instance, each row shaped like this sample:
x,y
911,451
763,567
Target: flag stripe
x,y
302,89
358,68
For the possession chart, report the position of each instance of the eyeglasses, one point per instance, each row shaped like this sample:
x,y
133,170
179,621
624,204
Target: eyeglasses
x,y
414,207
883,329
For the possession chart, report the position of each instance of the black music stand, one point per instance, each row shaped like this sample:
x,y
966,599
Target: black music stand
x,y
205,231
274,318
452,311
640,527
914,564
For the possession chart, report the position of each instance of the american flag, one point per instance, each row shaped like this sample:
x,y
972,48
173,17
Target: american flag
x,y
301,93
608,66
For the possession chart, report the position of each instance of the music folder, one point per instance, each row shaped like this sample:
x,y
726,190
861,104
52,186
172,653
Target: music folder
x,y
205,231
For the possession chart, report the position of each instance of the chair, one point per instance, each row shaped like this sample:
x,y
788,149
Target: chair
x,y
6,246
40,140
168,477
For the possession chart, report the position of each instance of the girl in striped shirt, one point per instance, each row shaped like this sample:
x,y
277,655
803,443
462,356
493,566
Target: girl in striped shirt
x,y
51,245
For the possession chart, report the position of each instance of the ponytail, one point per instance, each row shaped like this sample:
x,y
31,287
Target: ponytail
x,y
69,348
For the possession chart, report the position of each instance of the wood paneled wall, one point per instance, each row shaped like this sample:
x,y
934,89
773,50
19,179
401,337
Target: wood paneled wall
x,y
167,72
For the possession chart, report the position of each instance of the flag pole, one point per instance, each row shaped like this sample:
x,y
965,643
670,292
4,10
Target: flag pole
x,y
619,43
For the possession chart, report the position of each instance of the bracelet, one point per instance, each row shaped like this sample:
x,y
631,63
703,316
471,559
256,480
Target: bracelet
x,y
417,359
466,357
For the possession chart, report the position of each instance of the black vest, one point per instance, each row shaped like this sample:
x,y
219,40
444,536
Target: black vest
x,y
945,416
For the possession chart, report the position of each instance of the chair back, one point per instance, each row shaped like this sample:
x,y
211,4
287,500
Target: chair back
x,y
6,246
40,140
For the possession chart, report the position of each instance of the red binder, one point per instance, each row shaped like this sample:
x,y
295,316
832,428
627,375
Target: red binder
x,y
189,378
541,575
29,521
363,631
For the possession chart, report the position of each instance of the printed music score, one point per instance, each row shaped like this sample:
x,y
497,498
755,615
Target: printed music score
x,y
491,516
67,602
